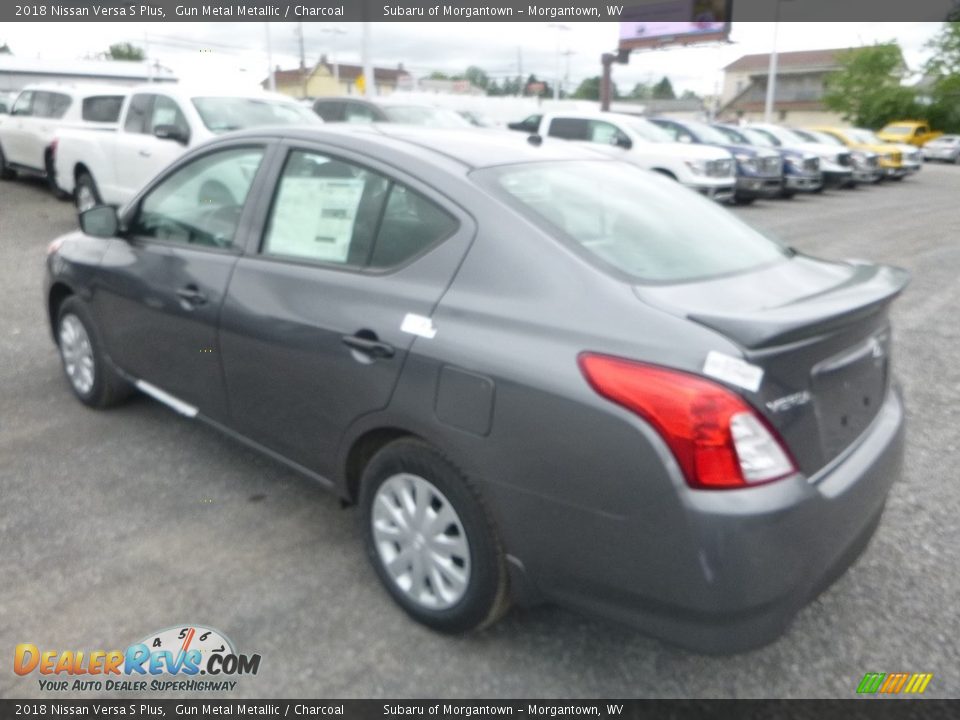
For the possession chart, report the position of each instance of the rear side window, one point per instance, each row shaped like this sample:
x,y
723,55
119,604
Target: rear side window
x,y
138,113
329,211
101,108
569,129
632,222
24,104
358,113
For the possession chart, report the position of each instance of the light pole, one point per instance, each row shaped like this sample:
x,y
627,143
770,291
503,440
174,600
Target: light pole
x,y
335,30
271,77
560,28
772,69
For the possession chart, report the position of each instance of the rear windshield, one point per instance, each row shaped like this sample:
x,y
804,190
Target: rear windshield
x,y
222,114
432,117
102,108
631,221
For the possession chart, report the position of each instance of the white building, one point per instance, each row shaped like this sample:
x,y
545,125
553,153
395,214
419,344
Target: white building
x,y
17,72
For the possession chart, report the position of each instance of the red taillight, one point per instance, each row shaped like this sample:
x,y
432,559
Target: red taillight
x,y
53,147
718,439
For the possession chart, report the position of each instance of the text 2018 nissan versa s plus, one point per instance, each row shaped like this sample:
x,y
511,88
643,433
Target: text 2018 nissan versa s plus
x,y
541,373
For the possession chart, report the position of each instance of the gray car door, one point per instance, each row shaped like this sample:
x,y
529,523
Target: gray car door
x,y
318,319
162,284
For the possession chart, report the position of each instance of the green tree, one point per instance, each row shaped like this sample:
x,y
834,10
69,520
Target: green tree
x,y
437,75
588,89
124,51
477,77
5,50
689,95
641,91
867,89
943,72
663,90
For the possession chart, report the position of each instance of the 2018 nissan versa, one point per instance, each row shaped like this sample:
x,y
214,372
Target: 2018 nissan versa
x,y
541,373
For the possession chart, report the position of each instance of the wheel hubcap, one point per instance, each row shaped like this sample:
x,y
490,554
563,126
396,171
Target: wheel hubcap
x,y
77,354
420,541
85,199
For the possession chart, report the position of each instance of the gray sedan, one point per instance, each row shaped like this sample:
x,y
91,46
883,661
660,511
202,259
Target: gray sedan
x,y
945,148
542,374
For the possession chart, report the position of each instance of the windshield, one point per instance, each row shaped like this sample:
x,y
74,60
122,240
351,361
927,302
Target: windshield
x,y
819,137
648,131
756,137
423,115
865,137
707,134
734,136
898,130
222,114
783,135
631,221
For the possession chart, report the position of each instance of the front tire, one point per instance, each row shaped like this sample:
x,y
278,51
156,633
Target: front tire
x,y
430,539
86,195
91,377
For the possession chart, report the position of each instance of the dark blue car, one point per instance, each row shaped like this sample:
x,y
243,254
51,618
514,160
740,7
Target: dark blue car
x,y
801,170
759,171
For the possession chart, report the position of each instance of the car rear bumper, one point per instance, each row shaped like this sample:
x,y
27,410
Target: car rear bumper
x,y
747,560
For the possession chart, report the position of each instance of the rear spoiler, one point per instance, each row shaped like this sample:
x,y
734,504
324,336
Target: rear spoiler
x,y
867,291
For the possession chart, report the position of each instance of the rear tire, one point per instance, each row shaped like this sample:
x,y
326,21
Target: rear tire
x,y
788,194
744,200
431,540
91,377
6,173
85,194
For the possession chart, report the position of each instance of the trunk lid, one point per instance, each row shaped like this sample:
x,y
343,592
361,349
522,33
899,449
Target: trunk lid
x,y
819,331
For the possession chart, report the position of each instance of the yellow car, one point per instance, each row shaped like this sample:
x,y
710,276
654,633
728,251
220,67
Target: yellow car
x,y
913,132
891,159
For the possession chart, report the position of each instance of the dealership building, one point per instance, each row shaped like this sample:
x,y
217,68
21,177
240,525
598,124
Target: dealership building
x,y
18,72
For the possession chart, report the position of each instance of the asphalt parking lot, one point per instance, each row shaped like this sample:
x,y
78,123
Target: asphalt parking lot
x,y
116,524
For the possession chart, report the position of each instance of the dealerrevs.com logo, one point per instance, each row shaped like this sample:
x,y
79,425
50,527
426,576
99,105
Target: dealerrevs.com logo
x,y
169,660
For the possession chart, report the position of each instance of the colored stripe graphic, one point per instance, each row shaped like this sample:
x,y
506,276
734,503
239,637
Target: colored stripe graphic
x,y
894,683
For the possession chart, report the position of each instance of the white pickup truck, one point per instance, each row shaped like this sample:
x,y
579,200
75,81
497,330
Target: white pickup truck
x,y
158,123
708,170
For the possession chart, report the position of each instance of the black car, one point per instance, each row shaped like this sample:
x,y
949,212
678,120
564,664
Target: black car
x,y
759,171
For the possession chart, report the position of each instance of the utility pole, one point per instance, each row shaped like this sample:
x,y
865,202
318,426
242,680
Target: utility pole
x,y
560,28
303,60
271,76
519,71
368,79
336,66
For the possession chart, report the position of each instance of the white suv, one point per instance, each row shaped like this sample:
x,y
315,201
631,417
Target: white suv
x,y
708,170
38,115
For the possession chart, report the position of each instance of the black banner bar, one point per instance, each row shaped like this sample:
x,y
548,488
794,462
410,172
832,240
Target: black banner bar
x,y
873,709
456,10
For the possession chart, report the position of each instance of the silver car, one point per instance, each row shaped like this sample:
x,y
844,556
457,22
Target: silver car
x,y
945,148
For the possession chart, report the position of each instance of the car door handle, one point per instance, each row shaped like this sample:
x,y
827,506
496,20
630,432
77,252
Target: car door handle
x,y
191,296
369,346
145,153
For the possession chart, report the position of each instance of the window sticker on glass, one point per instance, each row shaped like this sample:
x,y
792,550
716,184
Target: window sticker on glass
x,y
314,217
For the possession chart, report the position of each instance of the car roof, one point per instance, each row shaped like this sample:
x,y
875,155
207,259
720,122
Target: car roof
x,y
77,89
473,148
186,91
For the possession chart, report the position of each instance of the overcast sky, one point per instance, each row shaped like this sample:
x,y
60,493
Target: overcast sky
x,y
238,50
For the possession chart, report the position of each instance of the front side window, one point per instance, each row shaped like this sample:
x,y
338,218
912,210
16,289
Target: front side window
x,y
101,108
138,114
329,211
569,128
329,111
200,204
630,221
167,112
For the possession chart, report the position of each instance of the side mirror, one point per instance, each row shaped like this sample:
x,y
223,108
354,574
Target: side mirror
x,y
100,221
171,132
622,141
535,140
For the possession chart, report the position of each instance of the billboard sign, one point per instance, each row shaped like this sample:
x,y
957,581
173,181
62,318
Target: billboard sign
x,y
674,22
